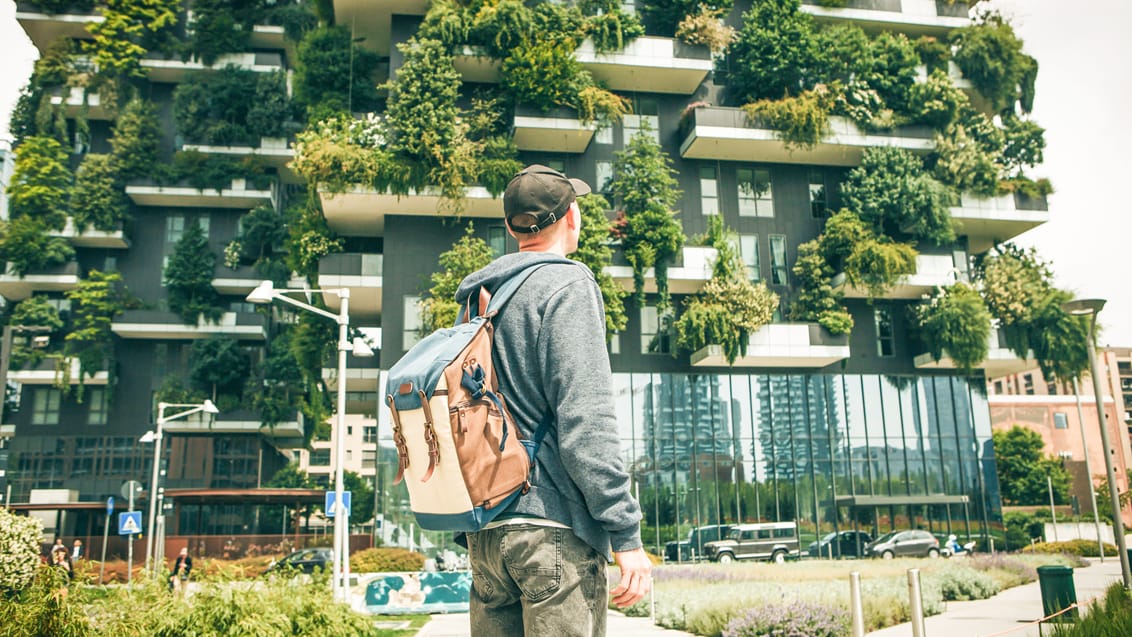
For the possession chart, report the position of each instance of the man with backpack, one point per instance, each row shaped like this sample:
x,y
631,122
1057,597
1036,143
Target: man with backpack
x,y
539,568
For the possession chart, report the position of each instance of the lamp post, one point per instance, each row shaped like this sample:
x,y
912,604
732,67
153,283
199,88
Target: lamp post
x,y
1090,308
156,438
266,293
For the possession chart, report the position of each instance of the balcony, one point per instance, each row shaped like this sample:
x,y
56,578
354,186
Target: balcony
x,y
175,71
932,271
359,273
649,65
45,28
986,221
240,421
687,276
91,238
910,17
1000,360
77,102
273,151
241,195
60,278
361,376
782,345
157,324
362,211
727,134
371,19
558,131
52,371
475,66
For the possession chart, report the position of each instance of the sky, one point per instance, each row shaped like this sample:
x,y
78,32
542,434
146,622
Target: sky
x,y
1083,89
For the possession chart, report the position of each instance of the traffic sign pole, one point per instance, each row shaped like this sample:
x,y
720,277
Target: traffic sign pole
x,y
130,550
105,537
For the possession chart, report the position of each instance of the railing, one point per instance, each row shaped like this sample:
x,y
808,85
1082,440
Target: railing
x,y
727,117
867,5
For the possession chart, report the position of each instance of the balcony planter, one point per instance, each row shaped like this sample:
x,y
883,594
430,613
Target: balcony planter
x,y
782,345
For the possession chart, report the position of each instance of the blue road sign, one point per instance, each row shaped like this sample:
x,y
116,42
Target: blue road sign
x,y
110,505
330,503
129,523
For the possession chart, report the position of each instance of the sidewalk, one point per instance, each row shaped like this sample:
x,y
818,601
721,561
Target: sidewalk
x,y
618,625
1009,612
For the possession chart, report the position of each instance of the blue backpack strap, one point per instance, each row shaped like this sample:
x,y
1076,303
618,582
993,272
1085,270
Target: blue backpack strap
x,y
505,291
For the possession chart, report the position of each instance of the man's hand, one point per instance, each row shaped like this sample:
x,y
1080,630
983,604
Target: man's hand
x,y
635,581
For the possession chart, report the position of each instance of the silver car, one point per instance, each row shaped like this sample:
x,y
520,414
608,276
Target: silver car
x,y
904,544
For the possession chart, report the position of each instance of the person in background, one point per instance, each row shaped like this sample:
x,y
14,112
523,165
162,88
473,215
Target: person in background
x,y
179,575
61,560
77,551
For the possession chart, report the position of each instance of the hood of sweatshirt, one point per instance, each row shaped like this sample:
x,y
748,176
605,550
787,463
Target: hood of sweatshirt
x,y
502,269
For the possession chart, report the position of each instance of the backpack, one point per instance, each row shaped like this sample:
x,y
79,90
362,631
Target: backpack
x,y
458,450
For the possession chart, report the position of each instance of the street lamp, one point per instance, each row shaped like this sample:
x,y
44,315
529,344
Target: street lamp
x,y
156,438
266,293
1090,308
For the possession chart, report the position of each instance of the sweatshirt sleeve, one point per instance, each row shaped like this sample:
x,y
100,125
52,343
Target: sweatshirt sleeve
x,y
579,386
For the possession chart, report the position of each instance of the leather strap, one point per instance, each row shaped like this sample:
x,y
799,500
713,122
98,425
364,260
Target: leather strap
x,y
398,441
430,437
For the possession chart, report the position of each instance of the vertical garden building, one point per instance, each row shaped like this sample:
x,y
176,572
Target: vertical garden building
x,y
798,205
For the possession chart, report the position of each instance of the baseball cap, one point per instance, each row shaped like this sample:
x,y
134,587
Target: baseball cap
x,y
538,196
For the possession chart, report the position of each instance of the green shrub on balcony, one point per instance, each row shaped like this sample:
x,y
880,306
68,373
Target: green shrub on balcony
x,y
801,121
707,28
334,74
892,191
41,183
95,302
664,17
55,7
34,114
990,55
596,254
220,27
869,260
135,139
816,301
937,102
729,308
310,236
955,321
188,278
130,29
98,198
27,247
438,305
772,54
263,234
282,381
215,172
609,26
232,107
221,367
36,311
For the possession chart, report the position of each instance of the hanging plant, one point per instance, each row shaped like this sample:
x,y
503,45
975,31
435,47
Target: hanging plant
x,y
310,236
34,311
816,301
608,25
707,28
955,321
874,262
801,121
438,305
990,55
594,252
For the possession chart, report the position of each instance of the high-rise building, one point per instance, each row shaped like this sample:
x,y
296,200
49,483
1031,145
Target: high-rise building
x,y
350,143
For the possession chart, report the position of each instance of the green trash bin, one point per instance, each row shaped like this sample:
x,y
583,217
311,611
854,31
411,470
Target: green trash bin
x,y
1058,591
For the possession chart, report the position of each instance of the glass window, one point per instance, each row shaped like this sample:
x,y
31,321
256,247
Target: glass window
x,y
98,404
110,264
656,330
604,175
1060,420
411,326
646,120
497,239
604,135
819,202
749,252
615,343
778,259
320,457
557,164
756,198
1028,384
709,191
369,434
174,228
886,337
45,410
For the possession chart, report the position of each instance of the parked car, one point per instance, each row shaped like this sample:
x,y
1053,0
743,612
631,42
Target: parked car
x,y
841,544
904,544
303,561
691,549
774,541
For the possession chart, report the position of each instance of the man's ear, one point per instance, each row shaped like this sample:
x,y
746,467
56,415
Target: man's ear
x,y
574,216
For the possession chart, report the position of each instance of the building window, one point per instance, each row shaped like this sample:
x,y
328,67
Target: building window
x,y
615,343
174,228
411,326
709,191
45,410
1051,388
656,330
1028,384
497,239
646,120
369,434
819,202
756,198
1060,421
749,252
320,457
369,459
886,336
604,170
98,405
998,387
604,135
778,259
557,164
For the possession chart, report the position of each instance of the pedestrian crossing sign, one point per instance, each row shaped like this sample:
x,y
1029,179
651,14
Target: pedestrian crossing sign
x,y
129,523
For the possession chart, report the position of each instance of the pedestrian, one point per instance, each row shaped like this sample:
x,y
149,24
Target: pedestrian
x,y
539,568
77,551
61,560
179,574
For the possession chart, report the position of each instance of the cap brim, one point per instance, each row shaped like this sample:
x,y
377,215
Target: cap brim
x,y
580,187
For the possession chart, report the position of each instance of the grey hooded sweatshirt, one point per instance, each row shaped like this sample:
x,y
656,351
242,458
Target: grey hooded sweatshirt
x,y
550,360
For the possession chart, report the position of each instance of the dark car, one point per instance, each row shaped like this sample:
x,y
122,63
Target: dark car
x,y
303,561
904,544
692,548
842,544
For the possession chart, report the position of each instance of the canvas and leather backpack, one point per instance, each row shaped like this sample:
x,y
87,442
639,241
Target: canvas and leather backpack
x,y
459,452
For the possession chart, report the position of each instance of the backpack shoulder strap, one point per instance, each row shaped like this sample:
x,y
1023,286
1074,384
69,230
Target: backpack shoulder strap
x,y
508,289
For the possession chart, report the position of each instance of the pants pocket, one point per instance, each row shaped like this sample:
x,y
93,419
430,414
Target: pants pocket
x,y
533,556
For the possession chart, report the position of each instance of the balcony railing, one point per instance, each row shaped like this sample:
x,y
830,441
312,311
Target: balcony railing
x,y
60,278
91,238
174,71
240,421
686,276
240,194
932,271
558,130
782,345
45,28
157,324
649,65
272,151
989,220
910,17
52,370
1000,360
361,211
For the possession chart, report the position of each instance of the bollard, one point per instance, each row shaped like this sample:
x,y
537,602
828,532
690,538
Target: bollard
x,y
916,602
858,620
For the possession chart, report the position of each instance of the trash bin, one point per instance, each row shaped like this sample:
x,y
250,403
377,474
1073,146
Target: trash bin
x,y
1058,591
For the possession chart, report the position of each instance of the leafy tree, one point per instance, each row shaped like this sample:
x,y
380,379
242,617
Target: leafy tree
x,y
773,54
956,321
594,252
135,138
990,55
188,277
1023,468
129,28
282,381
646,190
98,198
95,301
19,544
41,183
438,307
27,246
34,311
1024,144
707,28
816,301
361,496
221,26
891,190
310,236
232,107
219,364
290,477
263,233
967,163
868,260
335,74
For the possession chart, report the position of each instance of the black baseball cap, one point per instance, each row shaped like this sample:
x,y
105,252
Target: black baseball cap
x,y
538,196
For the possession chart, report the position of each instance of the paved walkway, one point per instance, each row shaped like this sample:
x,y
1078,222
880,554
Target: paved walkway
x,y
1010,612
618,626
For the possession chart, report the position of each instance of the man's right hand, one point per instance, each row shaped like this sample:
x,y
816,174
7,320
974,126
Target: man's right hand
x,y
635,578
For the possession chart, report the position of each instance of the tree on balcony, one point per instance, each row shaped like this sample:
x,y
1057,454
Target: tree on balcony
x,y
41,183
262,233
233,107
334,74
706,28
438,305
892,191
27,246
98,199
35,311
816,301
990,55
188,278
282,382
135,138
773,53
220,366
955,322
95,302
